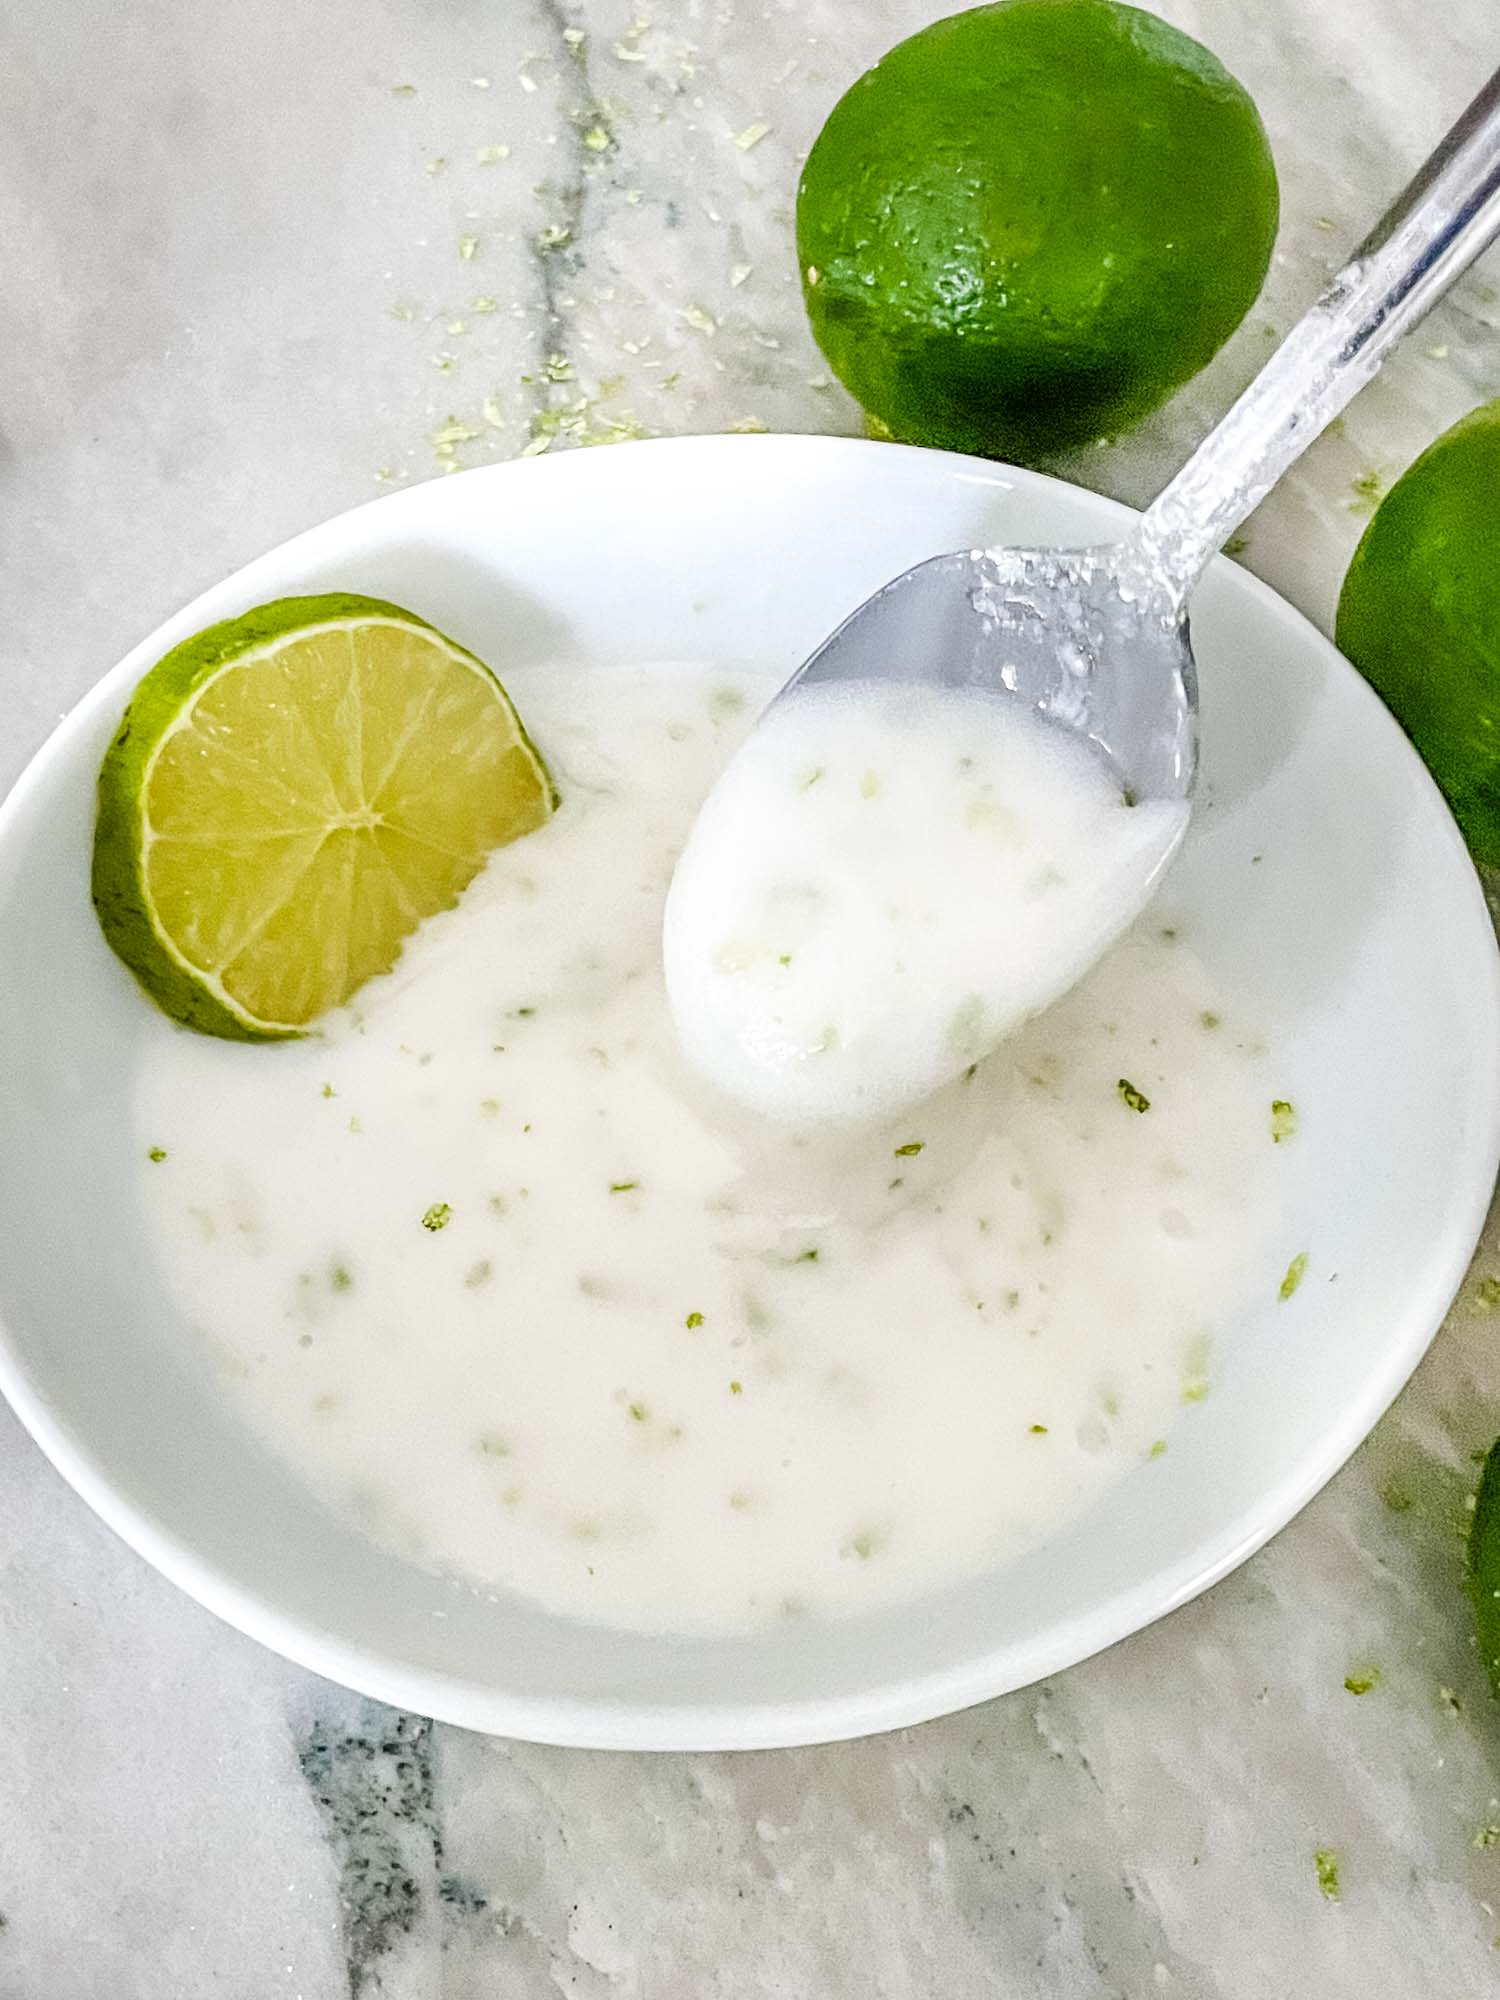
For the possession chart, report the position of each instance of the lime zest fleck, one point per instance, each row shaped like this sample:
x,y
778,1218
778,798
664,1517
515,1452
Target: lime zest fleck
x,y
1326,1863
693,1321
1488,1292
157,1154
1362,1679
438,1216
340,1278
1195,1369
1037,1430
910,1150
1283,1119
638,1413
623,1187
736,1388
1295,1272
1136,1099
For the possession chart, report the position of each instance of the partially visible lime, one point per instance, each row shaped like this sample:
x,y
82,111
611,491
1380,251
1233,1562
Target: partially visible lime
x,y
1484,1566
289,795
1419,616
1028,224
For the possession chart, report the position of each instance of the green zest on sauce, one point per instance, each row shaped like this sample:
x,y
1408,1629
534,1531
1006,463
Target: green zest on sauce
x,y
1295,1272
1283,1119
438,1216
1136,1099
1326,1863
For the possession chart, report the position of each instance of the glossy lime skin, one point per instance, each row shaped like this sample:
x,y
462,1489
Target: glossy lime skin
x,y
1419,615
1031,222
1484,1566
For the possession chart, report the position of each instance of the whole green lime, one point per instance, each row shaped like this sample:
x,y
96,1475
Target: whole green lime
x,y
1419,615
1029,223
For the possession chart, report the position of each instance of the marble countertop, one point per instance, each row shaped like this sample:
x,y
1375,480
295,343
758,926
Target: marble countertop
x,y
262,263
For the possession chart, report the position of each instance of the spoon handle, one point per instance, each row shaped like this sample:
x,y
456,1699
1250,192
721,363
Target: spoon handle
x,y
1445,217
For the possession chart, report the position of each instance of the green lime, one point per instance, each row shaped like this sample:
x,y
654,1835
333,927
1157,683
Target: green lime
x,y
1419,616
289,795
1484,1566
1028,224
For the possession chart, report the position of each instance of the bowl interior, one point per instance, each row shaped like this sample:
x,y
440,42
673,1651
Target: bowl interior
x,y
1323,882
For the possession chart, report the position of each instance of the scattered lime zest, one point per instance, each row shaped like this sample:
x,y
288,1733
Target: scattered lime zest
x,y
1283,1119
910,1150
438,1216
1488,1292
1362,1680
1326,1863
340,1278
1209,1019
157,1154
736,1388
1137,1100
1037,1430
1295,1272
623,1187
693,1321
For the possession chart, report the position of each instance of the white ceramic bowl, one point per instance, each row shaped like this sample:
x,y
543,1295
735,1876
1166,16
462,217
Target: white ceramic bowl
x,y
1324,883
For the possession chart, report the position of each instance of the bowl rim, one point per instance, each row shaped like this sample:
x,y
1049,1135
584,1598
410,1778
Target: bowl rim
x,y
623,1724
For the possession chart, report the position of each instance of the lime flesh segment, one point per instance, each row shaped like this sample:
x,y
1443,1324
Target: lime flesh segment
x,y
289,795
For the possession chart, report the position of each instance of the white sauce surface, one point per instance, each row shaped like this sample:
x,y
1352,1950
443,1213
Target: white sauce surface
x,y
662,1363
888,880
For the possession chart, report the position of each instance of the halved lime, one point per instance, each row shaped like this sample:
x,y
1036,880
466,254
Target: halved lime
x,y
289,795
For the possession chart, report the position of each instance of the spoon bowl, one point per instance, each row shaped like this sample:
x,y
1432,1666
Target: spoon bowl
x,y
1071,633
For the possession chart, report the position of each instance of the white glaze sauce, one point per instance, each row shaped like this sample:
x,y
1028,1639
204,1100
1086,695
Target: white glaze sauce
x,y
887,881
493,1267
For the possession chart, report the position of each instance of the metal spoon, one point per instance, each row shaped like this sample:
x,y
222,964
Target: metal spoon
x,y
1097,639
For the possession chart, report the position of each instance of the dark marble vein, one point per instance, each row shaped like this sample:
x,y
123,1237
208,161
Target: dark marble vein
x,y
373,1781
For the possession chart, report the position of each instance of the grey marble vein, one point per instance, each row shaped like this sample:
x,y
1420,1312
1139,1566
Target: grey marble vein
x,y
263,263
